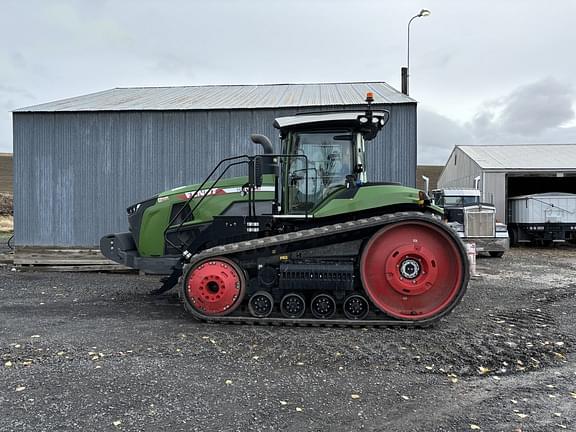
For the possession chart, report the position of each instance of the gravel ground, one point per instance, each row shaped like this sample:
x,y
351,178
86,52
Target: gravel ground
x,y
94,352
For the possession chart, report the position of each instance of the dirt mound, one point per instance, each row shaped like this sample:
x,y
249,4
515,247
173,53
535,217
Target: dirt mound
x,y
6,204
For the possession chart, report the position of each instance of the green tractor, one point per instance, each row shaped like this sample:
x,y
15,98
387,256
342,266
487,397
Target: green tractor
x,y
304,238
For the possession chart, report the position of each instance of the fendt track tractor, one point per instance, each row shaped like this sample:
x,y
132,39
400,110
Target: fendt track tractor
x,y
303,239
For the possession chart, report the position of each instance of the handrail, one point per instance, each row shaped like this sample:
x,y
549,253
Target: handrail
x,y
201,186
250,197
189,200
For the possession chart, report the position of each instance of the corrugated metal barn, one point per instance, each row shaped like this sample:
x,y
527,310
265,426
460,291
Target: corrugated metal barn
x,y
79,162
507,171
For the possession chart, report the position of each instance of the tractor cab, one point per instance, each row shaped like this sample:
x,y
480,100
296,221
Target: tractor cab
x,y
323,153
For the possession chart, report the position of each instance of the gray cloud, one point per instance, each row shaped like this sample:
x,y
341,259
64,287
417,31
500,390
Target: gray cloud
x,y
12,90
437,135
536,113
18,60
527,111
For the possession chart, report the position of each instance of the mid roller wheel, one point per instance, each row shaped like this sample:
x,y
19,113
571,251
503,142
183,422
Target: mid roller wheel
x,y
414,270
261,304
356,307
292,305
323,306
214,287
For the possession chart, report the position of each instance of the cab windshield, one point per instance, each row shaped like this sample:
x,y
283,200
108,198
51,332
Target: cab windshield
x,y
460,200
320,164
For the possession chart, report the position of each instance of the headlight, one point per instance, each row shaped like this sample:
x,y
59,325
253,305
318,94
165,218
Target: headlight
x,y
500,227
133,209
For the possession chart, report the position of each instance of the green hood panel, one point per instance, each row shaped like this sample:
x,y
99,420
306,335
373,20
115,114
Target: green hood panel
x,y
370,197
157,217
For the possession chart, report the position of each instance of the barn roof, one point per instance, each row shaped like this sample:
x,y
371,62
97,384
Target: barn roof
x,y
527,156
219,97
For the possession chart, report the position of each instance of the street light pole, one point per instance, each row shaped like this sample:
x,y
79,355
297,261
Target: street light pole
x,y
406,70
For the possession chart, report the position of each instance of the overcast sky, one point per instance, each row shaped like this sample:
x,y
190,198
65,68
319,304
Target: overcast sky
x,y
489,72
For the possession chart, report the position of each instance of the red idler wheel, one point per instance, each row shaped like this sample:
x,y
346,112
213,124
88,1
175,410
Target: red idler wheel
x,y
412,270
215,286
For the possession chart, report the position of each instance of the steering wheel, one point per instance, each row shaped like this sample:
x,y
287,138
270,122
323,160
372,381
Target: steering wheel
x,y
306,180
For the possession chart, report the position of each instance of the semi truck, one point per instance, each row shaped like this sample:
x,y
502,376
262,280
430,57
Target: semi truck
x,y
473,220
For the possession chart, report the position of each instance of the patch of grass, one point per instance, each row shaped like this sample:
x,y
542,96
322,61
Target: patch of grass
x,y
6,224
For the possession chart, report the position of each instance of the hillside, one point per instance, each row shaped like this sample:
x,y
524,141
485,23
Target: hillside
x,y
6,172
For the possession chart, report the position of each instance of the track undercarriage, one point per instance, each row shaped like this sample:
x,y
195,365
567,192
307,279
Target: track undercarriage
x,y
395,269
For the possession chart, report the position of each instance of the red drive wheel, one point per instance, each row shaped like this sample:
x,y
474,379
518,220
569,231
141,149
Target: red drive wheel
x,y
412,270
215,286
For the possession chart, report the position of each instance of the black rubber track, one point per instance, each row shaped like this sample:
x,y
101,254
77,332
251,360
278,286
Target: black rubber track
x,y
231,249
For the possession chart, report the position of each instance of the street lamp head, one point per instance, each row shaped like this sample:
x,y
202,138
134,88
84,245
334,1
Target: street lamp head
x,y
406,74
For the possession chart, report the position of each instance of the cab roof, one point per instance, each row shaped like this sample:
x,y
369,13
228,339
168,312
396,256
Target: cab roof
x,y
343,118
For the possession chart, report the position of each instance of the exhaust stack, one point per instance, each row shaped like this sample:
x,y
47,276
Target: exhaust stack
x,y
269,166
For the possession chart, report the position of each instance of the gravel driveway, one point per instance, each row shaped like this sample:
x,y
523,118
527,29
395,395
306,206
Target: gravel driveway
x,y
94,352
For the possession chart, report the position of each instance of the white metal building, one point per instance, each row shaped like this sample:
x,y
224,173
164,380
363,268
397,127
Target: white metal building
x,y
507,171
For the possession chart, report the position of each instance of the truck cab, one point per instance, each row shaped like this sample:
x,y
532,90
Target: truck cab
x,y
473,221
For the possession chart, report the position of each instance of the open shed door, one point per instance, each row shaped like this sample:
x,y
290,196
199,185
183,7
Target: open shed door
x,y
535,183
526,185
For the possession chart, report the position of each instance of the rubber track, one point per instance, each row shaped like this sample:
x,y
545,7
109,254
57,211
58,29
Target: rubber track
x,y
229,250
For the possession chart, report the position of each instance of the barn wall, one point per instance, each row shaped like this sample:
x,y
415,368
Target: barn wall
x,y
494,191
77,172
459,172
